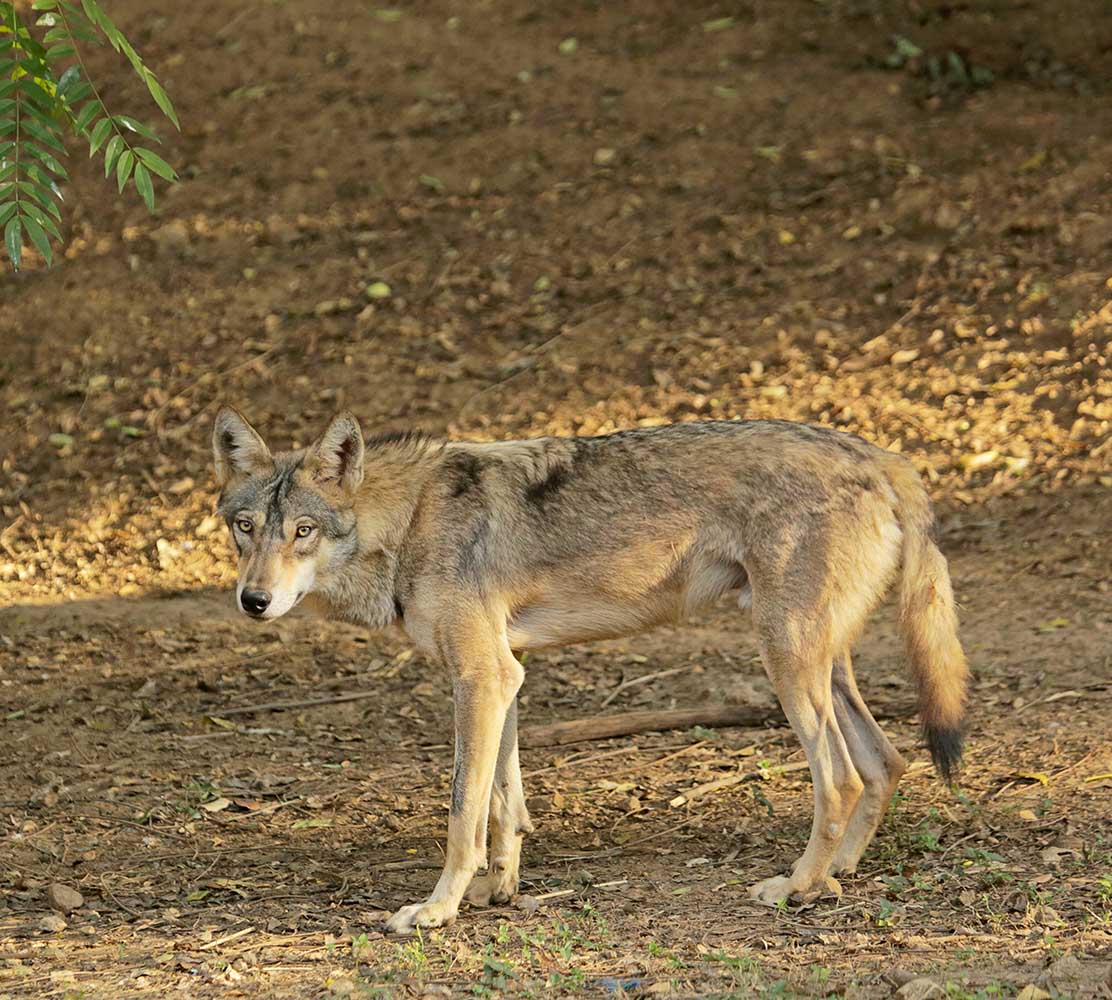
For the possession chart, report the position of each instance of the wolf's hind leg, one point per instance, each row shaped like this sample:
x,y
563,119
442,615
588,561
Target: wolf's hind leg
x,y
878,763
509,822
804,687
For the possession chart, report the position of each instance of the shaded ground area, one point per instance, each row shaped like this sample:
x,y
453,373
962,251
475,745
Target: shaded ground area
x,y
500,221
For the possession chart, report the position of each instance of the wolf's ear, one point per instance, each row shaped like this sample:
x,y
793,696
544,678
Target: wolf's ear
x,y
237,448
338,456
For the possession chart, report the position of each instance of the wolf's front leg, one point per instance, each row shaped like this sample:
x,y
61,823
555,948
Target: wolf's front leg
x,y
509,822
486,681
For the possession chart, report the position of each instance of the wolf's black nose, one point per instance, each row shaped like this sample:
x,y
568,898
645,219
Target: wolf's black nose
x,y
255,602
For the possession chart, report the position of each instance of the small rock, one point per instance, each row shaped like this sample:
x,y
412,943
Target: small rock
x,y
171,238
529,904
948,216
1032,992
52,924
341,987
605,156
1047,916
63,898
1064,975
920,989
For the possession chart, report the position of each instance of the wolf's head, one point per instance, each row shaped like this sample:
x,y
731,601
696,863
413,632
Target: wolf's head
x,y
290,514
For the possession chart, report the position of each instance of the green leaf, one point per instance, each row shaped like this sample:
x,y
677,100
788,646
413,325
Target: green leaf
x,y
48,161
60,51
39,238
123,168
79,27
36,94
100,132
134,125
162,99
86,115
48,119
44,5
36,173
44,220
67,80
13,241
45,136
157,164
111,151
48,224
144,186
42,196
78,92
7,210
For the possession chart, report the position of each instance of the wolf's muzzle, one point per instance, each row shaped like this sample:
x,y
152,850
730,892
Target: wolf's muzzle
x,y
255,602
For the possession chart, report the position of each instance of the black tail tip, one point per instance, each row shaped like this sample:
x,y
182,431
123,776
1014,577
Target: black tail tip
x,y
945,744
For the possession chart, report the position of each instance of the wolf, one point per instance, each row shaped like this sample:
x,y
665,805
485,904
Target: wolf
x,y
482,551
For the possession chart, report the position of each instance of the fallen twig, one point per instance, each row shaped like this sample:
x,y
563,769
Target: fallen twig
x,y
605,727
227,938
275,706
734,779
643,679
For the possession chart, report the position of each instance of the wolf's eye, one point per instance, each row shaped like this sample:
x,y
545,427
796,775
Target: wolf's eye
x,y
304,530
245,526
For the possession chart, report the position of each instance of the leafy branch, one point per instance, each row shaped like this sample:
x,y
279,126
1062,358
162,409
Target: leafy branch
x,y
46,88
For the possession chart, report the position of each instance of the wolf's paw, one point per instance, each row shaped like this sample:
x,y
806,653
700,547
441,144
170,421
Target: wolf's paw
x,y
422,915
497,887
780,887
844,864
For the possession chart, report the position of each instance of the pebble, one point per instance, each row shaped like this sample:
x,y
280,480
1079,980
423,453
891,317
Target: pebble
x,y
171,238
63,898
920,989
529,904
52,924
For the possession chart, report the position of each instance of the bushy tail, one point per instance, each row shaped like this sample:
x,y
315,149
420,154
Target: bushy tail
x,y
929,623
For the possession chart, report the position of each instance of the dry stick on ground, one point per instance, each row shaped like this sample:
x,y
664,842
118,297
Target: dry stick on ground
x,y
604,727
275,706
643,679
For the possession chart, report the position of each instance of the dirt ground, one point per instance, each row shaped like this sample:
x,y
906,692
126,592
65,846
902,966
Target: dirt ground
x,y
501,219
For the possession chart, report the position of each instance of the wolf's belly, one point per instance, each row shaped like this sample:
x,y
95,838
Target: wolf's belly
x,y
557,620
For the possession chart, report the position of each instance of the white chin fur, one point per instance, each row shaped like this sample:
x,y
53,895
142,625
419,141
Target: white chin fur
x,y
279,604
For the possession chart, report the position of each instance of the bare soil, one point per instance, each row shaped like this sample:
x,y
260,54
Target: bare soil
x,y
695,210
